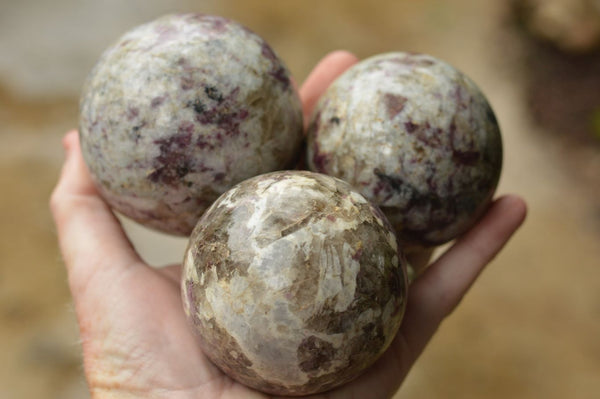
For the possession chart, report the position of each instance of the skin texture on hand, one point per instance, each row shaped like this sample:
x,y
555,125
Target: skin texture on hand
x,y
135,338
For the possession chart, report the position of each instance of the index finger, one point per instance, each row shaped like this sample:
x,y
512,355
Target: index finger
x,y
326,71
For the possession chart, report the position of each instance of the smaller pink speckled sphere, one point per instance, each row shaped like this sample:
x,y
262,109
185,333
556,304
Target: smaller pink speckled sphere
x,y
415,136
179,110
294,283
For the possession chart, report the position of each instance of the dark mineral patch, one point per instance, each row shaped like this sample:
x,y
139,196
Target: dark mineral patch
x,y
132,113
410,126
224,114
319,159
467,157
406,190
277,71
315,354
173,162
187,83
198,106
447,208
213,93
394,104
156,101
231,359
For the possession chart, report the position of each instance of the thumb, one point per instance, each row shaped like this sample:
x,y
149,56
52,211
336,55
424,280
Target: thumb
x,y
90,236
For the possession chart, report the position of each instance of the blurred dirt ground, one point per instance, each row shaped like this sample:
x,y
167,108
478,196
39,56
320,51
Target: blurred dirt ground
x,y
530,327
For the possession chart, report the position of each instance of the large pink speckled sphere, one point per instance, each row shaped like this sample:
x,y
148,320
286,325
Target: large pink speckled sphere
x,y
294,283
414,135
179,110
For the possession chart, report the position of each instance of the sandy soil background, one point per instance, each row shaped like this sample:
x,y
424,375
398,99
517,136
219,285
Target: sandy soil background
x,y
531,325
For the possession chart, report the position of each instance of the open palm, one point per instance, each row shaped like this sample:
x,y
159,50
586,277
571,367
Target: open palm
x,y
135,338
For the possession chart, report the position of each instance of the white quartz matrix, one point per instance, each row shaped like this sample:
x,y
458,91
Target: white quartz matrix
x,y
179,110
415,136
294,283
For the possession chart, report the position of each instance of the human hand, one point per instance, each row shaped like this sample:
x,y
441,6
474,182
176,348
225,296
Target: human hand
x,y
135,337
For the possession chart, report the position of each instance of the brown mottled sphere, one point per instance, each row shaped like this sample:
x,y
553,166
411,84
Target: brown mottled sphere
x,y
179,110
415,136
294,283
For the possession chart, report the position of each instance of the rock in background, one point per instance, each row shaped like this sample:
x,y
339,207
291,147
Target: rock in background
x,y
571,25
